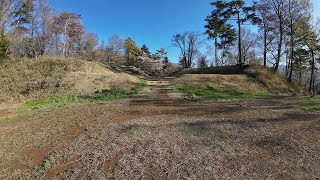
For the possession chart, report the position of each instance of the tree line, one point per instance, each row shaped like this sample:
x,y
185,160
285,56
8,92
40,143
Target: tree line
x,y
31,28
285,37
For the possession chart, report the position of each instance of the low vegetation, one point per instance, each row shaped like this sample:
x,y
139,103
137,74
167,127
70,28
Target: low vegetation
x,y
105,95
212,93
311,104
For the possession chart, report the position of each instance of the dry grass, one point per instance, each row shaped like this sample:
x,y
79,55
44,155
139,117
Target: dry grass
x,y
164,138
273,81
247,140
95,76
253,78
238,82
24,79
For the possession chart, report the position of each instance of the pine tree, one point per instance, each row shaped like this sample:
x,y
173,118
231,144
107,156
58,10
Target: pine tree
x,y
223,34
231,11
145,50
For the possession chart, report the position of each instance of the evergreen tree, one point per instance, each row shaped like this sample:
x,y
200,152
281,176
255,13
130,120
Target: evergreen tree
x,y
24,14
132,51
231,11
223,34
166,60
145,50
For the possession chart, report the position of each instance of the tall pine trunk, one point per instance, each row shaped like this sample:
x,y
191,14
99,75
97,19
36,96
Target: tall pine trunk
x,y
216,51
280,39
65,40
311,88
239,38
265,47
291,45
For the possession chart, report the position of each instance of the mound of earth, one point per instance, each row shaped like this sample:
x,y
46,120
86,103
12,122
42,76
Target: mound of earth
x,y
93,77
25,79
248,78
239,82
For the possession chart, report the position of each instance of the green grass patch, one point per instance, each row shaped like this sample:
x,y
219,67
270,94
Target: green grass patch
x,y
311,104
312,108
215,94
112,94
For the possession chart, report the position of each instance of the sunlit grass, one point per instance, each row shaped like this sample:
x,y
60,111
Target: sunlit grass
x,y
212,93
312,104
112,94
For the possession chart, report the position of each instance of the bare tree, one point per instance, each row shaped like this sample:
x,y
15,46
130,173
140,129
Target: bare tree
x,y
115,43
266,18
248,41
7,9
188,43
278,8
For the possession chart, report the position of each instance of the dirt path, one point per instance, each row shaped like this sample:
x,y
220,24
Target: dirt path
x,y
160,135
158,91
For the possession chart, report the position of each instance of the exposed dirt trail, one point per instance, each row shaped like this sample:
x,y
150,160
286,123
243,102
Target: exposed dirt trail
x,y
158,92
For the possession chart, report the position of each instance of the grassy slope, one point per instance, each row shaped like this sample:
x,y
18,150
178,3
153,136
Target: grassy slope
x,y
25,79
243,83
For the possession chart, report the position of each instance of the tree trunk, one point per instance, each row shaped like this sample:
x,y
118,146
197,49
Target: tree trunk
x,y
312,72
239,38
65,40
280,40
292,46
216,50
265,47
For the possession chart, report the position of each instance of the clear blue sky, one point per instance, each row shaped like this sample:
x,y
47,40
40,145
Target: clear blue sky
x,y
151,22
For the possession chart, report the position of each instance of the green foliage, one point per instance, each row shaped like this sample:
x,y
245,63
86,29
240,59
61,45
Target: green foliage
x,y
166,60
112,94
132,51
145,49
219,25
24,13
215,94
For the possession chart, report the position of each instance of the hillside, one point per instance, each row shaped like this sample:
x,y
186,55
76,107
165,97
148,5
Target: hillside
x,y
255,79
25,79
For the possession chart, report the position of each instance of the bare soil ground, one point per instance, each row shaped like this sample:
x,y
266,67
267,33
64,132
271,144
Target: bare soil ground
x,y
159,135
